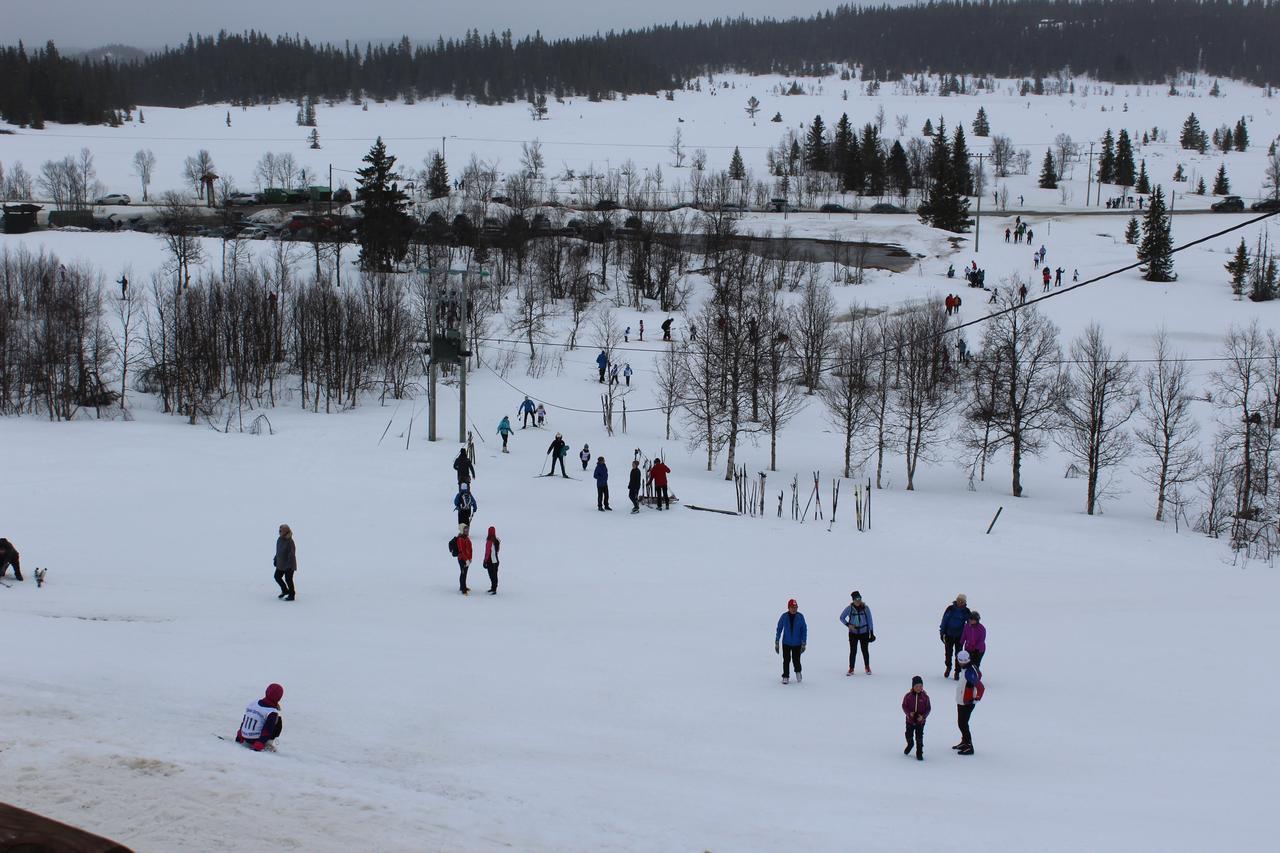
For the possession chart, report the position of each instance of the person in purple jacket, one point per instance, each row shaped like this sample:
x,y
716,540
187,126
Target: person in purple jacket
x,y
916,706
974,638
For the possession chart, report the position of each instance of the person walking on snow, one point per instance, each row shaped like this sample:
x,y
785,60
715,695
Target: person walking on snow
x,y
601,475
658,476
504,430
951,630
1057,277
602,362
633,486
262,722
463,546
541,414
626,335
642,331
793,634
974,638
968,694
464,466
465,503
286,563
584,456
916,706
558,449
9,557
626,373
526,409
613,374
492,544
857,618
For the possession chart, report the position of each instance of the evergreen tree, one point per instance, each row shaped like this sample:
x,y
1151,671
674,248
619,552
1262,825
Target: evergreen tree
x,y
854,177
437,177
842,143
1178,174
385,226
927,130
1124,160
313,140
309,112
960,163
898,169
1238,266
1107,159
980,125
1048,175
1200,188
1156,248
1242,135
1262,282
944,206
228,118
1226,140
1221,186
815,146
737,170
1132,231
1192,136
872,159
1144,183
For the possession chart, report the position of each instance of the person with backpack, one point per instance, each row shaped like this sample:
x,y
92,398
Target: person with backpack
x,y
526,409
465,503
584,456
666,328
460,547
916,706
968,694
602,362
492,544
951,630
633,486
793,634
558,450
465,468
286,563
974,638
9,557
857,618
658,476
504,430
262,722
601,475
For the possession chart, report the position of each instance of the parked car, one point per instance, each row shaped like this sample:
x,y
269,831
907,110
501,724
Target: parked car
x,y
242,199
1230,204
113,198
885,207
607,204
254,232
834,208
1267,205
780,205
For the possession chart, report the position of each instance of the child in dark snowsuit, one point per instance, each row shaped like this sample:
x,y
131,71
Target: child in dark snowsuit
x,y
916,706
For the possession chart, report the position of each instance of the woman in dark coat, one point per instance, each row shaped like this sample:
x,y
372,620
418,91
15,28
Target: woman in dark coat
x,y
286,563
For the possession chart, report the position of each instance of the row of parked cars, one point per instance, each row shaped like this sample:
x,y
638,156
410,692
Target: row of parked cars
x,y
1235,204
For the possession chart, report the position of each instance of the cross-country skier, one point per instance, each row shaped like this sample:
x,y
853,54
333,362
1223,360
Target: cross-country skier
x,y
9,557
463,545
286,563
916,706
951,629
584,456
526,409
464,466
465,503
793,634
633,486
262,722
602,362
968,694
492,544
601,475
974,638
542,414
558,450
504,430
658,476
857,618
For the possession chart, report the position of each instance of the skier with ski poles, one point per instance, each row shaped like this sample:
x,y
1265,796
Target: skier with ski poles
x,y
558,450
262,722
526,409
857,618
793,634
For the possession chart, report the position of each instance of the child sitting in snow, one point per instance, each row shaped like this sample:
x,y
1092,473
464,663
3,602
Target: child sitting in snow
x,y
262,722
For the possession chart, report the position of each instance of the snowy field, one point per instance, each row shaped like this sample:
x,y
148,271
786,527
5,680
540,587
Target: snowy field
x,y
620,692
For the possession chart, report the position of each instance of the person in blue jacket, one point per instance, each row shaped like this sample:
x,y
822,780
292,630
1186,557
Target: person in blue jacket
x,y
602,485
602,362
950,630
857,618
526,409
793,634
465,503
504,430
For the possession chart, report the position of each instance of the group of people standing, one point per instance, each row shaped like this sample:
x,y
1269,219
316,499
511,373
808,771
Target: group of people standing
x,y
961,632
611,370
464,503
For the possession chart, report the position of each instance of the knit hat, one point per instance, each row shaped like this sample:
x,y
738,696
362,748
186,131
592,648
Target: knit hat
x,y
792,603
857,596
274,694
963,657
974,616
915,679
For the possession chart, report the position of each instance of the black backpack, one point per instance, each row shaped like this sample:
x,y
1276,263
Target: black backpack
x,y
453,546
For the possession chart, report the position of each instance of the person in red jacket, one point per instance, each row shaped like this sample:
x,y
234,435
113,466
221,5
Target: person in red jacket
x,y
262,722
658,476
492,544
916,706
464,558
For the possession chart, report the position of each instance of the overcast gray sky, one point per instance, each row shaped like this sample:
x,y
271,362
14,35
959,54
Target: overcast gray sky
x,y
153,23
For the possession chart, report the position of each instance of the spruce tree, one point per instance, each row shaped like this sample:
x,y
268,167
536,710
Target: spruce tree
x,y
1178,174
872,159
1262,281
437,177
944,206
899,169
854,177
1144,183
313,140
1242,135
1238,266
815,146
737,170
1156,248
1221,186
960,163
1200,189
1192,136
1124,160
1048,174
927,130
309,112
385,225
842,142
981,127
1132,231
1107,159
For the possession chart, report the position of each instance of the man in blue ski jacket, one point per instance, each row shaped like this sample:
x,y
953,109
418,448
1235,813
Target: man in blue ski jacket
x,y
793,634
